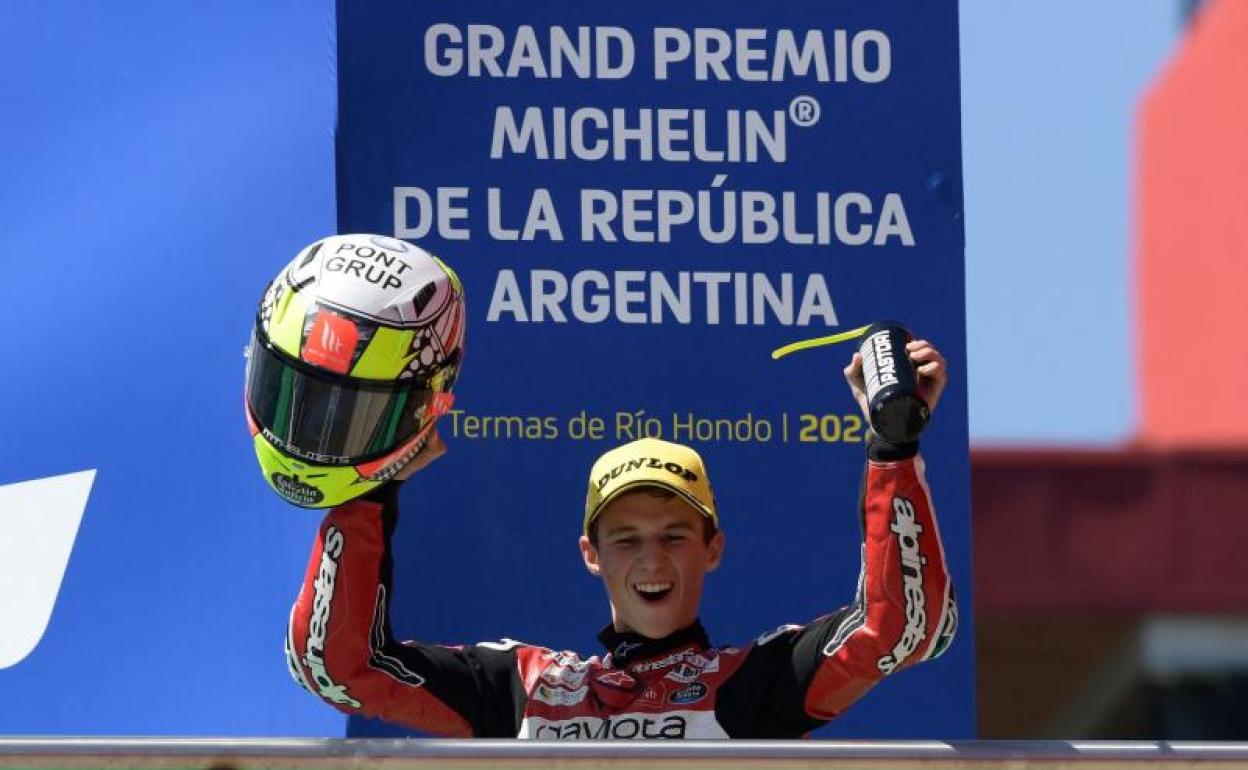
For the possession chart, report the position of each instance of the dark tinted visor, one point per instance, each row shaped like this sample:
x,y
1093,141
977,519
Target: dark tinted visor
x,y
323,418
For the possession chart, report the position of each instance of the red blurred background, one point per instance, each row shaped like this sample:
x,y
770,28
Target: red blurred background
x,y
1112,584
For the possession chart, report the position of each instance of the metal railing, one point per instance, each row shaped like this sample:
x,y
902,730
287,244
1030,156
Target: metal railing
x,y
395,754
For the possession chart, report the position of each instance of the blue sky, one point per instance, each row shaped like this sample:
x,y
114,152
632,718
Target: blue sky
x,y
1049,94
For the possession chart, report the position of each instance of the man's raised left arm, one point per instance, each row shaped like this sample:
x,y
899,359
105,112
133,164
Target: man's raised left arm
x,y
904,609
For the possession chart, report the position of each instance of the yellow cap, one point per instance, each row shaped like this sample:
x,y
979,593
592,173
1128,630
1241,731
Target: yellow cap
x,y
653,463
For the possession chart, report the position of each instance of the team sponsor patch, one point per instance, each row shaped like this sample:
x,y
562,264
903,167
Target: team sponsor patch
x,y
652,697
684,673
558,696
622,727
692,657
564,676
675,469
675,724
331,342
694,692
569,660
294,490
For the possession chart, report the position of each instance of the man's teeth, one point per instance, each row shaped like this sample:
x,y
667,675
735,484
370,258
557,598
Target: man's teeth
x,y
653,588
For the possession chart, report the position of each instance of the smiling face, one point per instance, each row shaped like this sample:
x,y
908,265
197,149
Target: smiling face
x,y
653,557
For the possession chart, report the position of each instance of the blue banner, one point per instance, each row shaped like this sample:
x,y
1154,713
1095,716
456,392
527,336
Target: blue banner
x,y
643,200
146,570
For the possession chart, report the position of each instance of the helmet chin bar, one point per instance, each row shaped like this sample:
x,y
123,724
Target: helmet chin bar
x,y
390,466
405,454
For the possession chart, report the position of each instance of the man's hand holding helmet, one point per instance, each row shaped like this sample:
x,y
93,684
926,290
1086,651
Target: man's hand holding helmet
x,y
356,347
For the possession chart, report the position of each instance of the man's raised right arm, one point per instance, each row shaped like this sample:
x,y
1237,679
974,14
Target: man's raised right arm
x,y
339,645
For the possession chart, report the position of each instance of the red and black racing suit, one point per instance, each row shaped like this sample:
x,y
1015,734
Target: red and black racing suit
x,y
783,685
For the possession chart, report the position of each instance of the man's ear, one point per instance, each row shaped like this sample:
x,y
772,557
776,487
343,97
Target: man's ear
x,y
590,556
715,551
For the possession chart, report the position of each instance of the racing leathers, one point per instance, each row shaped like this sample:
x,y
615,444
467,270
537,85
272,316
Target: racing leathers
x,y
783,685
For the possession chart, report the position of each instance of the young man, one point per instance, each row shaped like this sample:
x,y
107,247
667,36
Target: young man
x,y
355,351
651,533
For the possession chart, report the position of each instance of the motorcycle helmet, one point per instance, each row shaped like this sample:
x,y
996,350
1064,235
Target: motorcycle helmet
x,y
355,350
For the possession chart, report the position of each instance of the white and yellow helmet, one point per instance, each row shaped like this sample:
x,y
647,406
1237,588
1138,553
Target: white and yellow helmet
x,y
356,346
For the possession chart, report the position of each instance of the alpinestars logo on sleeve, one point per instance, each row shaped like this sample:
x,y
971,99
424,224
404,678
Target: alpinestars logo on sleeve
x,y
912,561
318,624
